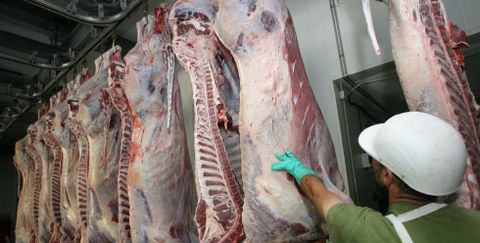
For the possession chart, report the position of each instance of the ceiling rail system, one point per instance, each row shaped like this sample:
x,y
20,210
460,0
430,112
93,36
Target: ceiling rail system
x,y
36,98
90,20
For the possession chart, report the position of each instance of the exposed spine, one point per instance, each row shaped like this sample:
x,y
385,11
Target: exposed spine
x,y
55,185
82,175
220,195
118,99
37,186
220,188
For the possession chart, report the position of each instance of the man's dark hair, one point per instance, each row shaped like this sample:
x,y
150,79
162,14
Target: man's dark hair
x,y
410,191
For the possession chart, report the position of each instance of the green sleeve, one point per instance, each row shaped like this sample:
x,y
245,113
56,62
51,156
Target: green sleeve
x,y
350,223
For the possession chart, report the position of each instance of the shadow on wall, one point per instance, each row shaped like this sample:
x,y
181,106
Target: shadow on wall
x,y
8,198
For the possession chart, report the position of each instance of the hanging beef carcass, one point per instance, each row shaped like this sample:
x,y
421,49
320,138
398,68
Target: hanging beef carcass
x,y
77,172
69,166
115,103
160,180
37,160
277,110
102,205
24,229
216,103
36,132
57,155
426,50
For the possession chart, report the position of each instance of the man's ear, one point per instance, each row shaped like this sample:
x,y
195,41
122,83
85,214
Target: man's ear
x,y
388,177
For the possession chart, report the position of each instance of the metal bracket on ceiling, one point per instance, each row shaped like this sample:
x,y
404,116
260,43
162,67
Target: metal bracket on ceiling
x,y
33,58
101,11
123,4
93,32
72,6
114,37
71,54
69,14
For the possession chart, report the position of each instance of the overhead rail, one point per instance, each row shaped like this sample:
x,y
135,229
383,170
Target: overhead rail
x,y
97,21
32,63
39,97
90,20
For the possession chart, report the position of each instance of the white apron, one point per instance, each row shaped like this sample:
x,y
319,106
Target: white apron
x,y
398,221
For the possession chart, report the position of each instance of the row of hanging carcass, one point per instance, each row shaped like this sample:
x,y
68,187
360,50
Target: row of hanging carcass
x,y
107,160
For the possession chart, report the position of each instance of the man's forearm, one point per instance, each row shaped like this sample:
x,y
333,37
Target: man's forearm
x,y
317,192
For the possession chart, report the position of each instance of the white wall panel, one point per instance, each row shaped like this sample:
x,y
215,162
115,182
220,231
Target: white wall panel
x,y
469,13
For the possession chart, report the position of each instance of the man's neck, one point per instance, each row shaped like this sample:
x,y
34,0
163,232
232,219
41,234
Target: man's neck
x,y
395,195
408,199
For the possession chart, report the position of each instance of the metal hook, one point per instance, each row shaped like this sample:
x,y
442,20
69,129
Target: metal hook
x,y
74,71
144,27
73,6
101,60
33,58
71,53
93,32
145,10
114,37
101,11
123,4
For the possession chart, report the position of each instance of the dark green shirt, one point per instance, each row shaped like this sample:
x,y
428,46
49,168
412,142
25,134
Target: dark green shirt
x,y
350,223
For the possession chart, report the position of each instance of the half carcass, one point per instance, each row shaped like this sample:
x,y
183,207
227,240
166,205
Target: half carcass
x,y
77,171
36,132
277,110
37,184
24,229
426,50
160,179
115,103
102,205
58,153
216,103
69,167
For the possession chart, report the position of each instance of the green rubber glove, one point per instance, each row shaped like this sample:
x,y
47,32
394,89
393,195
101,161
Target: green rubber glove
x,y
288,162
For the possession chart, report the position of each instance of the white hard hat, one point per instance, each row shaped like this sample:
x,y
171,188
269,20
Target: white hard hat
x,y
425,152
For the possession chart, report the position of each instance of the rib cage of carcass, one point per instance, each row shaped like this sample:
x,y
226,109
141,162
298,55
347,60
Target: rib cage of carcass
x,y
76,178
217,153
45,159
426,50
64,174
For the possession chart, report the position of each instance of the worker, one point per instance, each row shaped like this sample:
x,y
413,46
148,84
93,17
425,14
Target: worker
x,y
417,157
